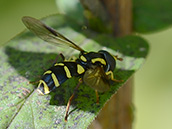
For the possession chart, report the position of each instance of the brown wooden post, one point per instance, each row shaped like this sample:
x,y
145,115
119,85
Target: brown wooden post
x,y
117,113
120,12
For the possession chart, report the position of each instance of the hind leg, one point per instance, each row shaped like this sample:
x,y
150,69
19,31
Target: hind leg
x,y
70,99
97,97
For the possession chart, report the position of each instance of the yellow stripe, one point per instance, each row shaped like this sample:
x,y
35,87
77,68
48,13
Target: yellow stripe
x,y
59,64
83,58
80,69
67,72
48,72
56,82
102,61
46,88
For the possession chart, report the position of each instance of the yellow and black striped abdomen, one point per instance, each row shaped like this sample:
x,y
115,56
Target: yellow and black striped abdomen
x,y
58,74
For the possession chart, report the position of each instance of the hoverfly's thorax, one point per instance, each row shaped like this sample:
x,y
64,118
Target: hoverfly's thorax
x,y
98,58
91,58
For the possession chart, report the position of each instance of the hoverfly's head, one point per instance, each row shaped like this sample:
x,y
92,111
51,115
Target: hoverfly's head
x,y
110,59
43,88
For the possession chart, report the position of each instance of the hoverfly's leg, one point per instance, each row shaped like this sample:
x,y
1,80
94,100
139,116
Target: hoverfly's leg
x,y
61,55
110,73
70,99
117,58
34,82
38,77
67,107
97,97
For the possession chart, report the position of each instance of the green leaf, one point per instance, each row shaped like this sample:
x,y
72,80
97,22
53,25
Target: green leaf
x,y
24,58
151,15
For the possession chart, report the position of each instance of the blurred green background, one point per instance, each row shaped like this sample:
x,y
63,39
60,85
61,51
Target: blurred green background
x,y
153,82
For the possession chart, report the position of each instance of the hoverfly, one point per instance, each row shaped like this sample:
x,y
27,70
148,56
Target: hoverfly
x,y
95,69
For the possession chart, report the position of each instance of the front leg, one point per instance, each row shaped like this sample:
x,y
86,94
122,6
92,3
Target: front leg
x,y
110,74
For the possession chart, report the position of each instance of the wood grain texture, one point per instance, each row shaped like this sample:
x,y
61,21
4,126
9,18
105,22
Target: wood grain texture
x,y
120,12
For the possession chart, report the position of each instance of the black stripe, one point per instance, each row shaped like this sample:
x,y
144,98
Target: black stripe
x,y
72,66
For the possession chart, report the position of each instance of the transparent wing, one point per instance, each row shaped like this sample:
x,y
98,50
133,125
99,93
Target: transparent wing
x,y
46,33
96,79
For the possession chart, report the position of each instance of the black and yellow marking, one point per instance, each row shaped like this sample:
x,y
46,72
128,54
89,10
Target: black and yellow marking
x,y
59,64
80,69
48,72
43,87
101,60
68,74
56,82
83,58
58,74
